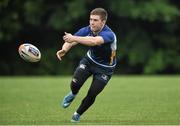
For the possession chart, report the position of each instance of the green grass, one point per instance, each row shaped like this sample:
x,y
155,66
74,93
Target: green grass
x,y
125,100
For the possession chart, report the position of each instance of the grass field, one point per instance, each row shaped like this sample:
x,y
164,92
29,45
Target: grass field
x,y
130,100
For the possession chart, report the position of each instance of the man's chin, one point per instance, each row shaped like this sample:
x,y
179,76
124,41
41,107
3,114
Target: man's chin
x,y
93,30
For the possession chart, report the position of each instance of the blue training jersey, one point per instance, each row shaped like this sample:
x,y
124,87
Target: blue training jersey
x,y
104,54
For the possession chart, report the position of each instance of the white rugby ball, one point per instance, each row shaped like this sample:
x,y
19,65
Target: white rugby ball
x,y
29,52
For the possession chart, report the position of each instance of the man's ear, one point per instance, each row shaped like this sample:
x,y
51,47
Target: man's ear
x,y
104,22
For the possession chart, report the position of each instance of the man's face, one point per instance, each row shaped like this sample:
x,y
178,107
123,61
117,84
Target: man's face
x,y
96,23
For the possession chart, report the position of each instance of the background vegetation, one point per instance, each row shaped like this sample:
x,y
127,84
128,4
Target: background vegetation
x,y
148,34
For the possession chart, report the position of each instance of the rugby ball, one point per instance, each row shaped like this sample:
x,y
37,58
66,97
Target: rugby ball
x,y
29,52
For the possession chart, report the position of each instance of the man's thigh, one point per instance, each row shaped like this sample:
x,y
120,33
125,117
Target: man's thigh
x,y
82,72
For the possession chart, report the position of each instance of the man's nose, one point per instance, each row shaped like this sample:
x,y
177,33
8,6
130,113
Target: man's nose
x,y
92,22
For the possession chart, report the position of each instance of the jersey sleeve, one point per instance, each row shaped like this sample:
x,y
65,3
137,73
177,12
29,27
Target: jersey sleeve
x,y
107,36
82,32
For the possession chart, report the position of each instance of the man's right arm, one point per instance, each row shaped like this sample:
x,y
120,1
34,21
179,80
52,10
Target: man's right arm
x,y
65,48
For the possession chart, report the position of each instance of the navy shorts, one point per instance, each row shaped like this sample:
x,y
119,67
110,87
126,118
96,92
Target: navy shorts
x,y
87,67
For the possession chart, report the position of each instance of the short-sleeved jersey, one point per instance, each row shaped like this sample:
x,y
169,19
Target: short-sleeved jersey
x,y
104,54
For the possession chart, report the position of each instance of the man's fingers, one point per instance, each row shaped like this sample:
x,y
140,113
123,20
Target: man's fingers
x,y
58,55
65,39
65,33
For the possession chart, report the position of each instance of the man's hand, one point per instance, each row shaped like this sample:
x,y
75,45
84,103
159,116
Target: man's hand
x,y
60,54
68,37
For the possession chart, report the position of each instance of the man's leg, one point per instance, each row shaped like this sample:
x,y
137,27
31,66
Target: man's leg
x,y
96,87
101,76
80,76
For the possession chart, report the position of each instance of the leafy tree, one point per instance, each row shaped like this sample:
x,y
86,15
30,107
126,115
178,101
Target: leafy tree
x,y
147,31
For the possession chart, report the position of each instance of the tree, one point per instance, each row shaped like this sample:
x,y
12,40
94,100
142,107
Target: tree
x,y
147,31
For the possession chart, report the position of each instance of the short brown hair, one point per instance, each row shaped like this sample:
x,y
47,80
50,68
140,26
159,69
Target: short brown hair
x,y
101,12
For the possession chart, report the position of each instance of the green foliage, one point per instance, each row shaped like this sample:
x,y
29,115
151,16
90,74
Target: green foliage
x,y
33,11
156,63
151,10
147,33
4,4
63,18
139,47
9,22
150,45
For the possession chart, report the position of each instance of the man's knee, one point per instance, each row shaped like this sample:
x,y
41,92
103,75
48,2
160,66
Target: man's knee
x,y
80,76
75,83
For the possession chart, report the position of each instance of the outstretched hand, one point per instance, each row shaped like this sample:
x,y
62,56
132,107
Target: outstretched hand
x,y
60,54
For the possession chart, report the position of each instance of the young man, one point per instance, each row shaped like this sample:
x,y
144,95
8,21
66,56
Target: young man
x,y
100,60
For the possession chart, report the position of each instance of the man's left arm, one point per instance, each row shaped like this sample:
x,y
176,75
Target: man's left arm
x,y
87,40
